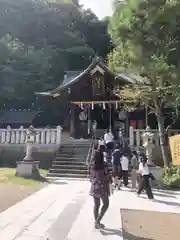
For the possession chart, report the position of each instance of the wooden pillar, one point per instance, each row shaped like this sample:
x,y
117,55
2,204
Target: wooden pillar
x,y
72,121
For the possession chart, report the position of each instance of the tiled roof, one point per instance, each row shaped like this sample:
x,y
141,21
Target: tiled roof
x,y
72,77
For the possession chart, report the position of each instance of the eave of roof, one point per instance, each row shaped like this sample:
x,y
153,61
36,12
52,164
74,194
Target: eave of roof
x,y
73,79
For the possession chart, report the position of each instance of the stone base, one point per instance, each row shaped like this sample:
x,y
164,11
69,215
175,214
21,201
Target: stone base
x,y
27,169
157,173
134,178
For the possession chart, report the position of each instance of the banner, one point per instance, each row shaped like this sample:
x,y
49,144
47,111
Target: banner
x,y
174,143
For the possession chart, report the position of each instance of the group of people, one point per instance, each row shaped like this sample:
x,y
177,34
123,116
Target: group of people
x,y
102,178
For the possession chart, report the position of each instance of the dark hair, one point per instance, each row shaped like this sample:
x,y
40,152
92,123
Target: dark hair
x,y
117,146
135,153
98,161
143,159
125,154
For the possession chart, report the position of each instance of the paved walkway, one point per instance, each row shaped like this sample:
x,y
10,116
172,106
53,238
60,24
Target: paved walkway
x,y
63,211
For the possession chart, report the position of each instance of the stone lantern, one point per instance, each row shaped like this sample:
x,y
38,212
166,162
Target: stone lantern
x,y
148,137
30,139
28,167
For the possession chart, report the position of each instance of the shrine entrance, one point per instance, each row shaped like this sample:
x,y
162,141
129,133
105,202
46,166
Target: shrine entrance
x,y
99,115
102,117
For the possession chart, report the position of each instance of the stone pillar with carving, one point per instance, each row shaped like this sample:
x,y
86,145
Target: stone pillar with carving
x,y
148,137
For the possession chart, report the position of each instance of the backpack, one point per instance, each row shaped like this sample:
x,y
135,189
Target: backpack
x,y
116,157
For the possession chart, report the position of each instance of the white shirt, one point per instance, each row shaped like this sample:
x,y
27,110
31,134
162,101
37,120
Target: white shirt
x,y
101,143
108,137
105,156
143,169
124,163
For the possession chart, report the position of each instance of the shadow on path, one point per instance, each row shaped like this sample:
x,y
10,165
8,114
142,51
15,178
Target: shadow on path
x,y
173,204
129,236
59,183
161,194
111,232
170,192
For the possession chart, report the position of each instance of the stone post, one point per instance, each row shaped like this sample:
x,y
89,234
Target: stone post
x,y
58,136
8,136
148,145
94,127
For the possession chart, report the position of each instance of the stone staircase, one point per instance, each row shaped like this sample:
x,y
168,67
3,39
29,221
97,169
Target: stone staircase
x,y
70,160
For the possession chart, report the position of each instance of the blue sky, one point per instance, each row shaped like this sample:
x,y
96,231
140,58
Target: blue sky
x,y
101,8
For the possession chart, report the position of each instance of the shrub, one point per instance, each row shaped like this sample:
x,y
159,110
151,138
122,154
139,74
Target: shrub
x,y
171,177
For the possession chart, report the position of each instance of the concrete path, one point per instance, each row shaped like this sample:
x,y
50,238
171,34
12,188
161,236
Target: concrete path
x,y
63,211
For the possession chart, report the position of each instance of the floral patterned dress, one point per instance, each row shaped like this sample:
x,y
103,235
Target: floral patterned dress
x,y
100,181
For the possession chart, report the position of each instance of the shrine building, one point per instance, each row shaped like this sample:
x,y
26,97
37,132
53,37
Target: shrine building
x,y
94,102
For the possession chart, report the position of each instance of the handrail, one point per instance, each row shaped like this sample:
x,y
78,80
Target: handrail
x,y
88,159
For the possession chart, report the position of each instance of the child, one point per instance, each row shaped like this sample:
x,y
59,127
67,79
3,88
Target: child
x,y
145,175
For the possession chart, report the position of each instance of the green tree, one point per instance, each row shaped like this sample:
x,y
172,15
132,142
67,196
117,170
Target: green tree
x,y
39,40
144,34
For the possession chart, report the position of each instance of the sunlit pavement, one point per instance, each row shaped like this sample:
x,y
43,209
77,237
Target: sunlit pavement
x,y
63,211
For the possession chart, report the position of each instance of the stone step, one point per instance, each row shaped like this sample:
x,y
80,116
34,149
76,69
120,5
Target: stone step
x,y
73,148
76,146
70,158
69,163
67,170
63,166
70,154
68,175
73,151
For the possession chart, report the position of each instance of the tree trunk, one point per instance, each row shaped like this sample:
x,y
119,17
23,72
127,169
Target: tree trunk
x,y
162,137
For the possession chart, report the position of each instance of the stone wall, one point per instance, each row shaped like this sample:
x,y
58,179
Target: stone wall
x,y
10,154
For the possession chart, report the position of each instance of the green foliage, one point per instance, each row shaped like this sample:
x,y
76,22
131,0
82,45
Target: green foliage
x,y
146,38
171,177
39,40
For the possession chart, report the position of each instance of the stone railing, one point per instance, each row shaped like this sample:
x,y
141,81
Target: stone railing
x,y
19,136
135,136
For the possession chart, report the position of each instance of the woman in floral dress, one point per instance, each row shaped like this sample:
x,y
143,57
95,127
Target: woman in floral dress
x,y
100,187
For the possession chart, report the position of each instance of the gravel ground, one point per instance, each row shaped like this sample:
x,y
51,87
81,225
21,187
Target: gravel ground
x,y
144,225
10,194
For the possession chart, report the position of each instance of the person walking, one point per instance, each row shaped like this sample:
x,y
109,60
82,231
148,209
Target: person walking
x,y
144,180
109,140
116,166
125,168
100,188
101,144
